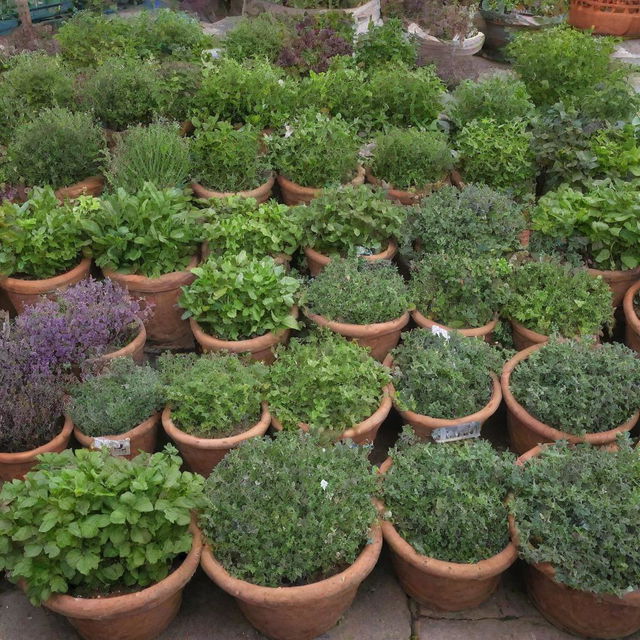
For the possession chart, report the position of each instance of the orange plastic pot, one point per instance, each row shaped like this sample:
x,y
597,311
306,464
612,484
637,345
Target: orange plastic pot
x,y
293,193
318,261
261,193
485,332
407,197
632,330
93,186
606,17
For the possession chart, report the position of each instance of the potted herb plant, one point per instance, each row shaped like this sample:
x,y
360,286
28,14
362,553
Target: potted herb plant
x,y
348,221
466,293
317,151
290,489
229,161
462,389
120,552
213,405
118,409
548,297
582,568
386,44
632,317
365,301
555,392
447,520
241,304
43,243
410,164
148,241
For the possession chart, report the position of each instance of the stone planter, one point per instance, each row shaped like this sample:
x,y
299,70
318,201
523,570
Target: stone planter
x,y
430,45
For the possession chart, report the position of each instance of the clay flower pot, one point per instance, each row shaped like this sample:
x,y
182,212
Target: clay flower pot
x,y
364,432
23,293
380,337
618,281
318,261
407,197
297,613
140,438
203,454
524,338
16,465
447,586
632,335
293,193
605,18
485,332
581,612
260,348
165,326
134,350
142,615
261,193
526,432
424,426
93,186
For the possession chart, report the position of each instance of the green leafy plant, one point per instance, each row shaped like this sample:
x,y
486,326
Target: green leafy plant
x,y
179,83
549,297
212,396
601,225
574,507
228,159
386,44
284,489
502,97
320,4
156,154
617,153
411,159
56,148
326,382
498,154
443,376
318,152
87,523
458,290
151,233
236,297
119,399
470,221
238,224
261,37
548,8
42,238
355,291
447,502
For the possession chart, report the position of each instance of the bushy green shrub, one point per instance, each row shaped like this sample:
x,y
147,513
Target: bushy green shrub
x,y
56,148
179,83
260,37
386,44
286,490
447,502
212,396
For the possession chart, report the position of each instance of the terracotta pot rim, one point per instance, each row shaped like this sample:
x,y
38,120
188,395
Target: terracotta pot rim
x,y
324,260
202,192
146,425
142,284
615,274
529,334
137,343
88,186
34,287
540,428
408,193
481,570
633,321
472,332
147,598
311,191
28,456
259,429
360,330
255,594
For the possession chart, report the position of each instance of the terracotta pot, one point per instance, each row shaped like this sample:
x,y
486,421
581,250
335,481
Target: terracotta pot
x,y
318,261
165,326
134,350
260,348
447,586
297,613
142,615
15,465
486,331
524,338
618,281
186,128
525,431
632,335
605,17
380,337
203,454
93,186
141,438
364,432
23,293
293,193
261,193
407,197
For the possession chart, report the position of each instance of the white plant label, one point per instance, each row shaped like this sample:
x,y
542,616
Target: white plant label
x,y
463,431
440,331
116,447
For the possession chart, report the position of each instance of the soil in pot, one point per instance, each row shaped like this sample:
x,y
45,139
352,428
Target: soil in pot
x,y
294,194
318,261
632,329
261,193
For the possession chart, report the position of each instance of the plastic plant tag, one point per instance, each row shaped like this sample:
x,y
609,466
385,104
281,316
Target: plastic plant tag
x,y
463,431
440,331
364,251
116,447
